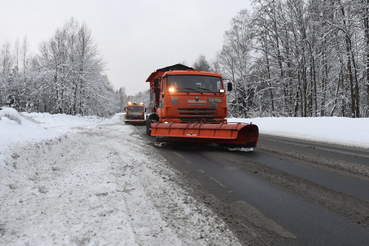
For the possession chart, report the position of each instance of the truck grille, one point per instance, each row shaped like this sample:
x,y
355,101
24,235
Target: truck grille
x,y
198,112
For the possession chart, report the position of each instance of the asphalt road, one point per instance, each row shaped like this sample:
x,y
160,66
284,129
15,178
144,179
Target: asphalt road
x,y
286,192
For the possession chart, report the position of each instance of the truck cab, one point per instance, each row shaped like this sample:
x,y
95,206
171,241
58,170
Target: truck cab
x,y
191,96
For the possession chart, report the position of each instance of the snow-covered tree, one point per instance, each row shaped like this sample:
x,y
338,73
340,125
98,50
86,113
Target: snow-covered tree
x,y
202,64
66,76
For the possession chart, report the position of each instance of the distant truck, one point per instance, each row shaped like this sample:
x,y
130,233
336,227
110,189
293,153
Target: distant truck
x,y
135,113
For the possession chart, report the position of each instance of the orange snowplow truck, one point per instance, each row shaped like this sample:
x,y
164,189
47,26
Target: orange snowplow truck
x,y
135,113
190,106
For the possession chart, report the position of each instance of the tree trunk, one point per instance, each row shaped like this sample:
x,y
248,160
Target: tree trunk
x,y
349,65
366,26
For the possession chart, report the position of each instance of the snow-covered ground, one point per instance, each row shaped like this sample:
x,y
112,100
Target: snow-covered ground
x,y
72,180
89,181
333,130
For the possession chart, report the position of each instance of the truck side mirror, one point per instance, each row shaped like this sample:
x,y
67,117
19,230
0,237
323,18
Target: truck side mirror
x,y
156,86
229,86
145,109
125,108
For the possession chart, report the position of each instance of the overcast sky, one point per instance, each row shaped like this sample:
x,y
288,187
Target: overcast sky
x,y
134,37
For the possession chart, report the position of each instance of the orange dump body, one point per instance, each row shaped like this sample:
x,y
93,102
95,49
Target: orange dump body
x,y
191,106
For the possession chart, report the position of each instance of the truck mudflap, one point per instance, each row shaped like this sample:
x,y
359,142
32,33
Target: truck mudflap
x,y
231,134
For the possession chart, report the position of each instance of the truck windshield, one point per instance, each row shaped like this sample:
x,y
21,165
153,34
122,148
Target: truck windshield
x,y
195,83
135,108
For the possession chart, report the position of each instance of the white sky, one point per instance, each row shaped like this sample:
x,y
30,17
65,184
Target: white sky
x,y
134,37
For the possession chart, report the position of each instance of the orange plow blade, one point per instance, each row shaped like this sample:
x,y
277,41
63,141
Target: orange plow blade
x,y
234,134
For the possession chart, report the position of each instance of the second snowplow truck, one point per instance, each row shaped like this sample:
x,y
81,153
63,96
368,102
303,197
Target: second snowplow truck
x,y
135,113
189,105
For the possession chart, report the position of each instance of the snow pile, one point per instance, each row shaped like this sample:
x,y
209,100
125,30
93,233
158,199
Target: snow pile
x,y
11,114
12,133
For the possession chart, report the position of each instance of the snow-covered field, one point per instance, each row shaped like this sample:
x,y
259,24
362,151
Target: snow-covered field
x,y
72,180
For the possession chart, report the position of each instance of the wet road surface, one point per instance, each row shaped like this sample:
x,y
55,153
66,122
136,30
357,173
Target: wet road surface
x,y
287,191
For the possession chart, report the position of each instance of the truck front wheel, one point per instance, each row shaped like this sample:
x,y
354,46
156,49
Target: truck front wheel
x,y
151,118
148,127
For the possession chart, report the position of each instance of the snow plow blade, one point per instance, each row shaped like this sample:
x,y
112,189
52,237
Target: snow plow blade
x,y
230,134
137,122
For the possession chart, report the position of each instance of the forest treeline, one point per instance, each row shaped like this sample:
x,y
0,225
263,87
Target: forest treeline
x,y
298,58
67,76
292,58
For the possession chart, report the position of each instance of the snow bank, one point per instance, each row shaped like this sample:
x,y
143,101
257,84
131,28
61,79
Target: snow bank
x,y
11,114
66,123
17,129
336,130
12,134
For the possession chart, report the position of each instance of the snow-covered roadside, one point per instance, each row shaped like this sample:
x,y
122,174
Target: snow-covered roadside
x,y
72,180
99,184
333,130
19,128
